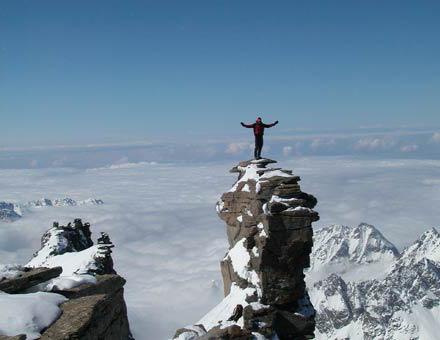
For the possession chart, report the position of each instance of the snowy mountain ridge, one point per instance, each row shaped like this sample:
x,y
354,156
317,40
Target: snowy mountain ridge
x,y
426,247
402,301
362,244
11,211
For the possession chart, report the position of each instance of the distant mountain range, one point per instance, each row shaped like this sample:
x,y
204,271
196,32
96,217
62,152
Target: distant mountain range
x,y
363,288
10,212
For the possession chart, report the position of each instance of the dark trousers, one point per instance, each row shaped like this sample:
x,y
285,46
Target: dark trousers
x,y
258,145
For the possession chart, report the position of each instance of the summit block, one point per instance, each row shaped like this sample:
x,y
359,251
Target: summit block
x,y
269,227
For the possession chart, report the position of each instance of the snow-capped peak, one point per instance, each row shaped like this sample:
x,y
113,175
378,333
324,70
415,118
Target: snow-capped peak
x,y
361,244
9,212
427,246
373,300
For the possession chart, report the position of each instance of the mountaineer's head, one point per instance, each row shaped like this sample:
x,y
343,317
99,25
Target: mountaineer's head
x,y
259,120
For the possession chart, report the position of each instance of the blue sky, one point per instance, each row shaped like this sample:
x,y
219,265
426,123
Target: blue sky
x,y
105,71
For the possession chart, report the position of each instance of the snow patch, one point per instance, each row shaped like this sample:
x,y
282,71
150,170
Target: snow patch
x,y
81,262
28,313
248,173
65,282
221,313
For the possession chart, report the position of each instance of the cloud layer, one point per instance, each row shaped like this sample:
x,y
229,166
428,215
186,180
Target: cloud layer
x,y
168,238
379,143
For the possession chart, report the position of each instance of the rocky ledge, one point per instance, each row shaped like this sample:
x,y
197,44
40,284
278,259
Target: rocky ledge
x,y
268,222
69,289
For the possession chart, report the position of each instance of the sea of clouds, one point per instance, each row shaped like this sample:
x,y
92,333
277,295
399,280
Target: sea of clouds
x,y
169,240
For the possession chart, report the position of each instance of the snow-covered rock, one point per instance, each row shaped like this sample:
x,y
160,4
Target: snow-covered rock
x,y
28,314
72,248
268,222
68,290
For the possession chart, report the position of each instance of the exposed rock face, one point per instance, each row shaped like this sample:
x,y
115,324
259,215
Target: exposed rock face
x,y
28,278
96,311
83,273
268,221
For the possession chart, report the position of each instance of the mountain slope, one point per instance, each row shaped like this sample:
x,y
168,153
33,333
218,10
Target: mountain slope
x,y
404,303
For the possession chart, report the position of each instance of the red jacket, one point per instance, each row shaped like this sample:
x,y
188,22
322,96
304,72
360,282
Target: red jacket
x,y
259,127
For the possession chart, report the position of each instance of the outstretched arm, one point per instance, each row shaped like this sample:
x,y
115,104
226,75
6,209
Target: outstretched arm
x,y
270,125
247,125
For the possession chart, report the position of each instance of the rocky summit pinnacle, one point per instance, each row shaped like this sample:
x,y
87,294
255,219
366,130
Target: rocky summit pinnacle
x,y
268,223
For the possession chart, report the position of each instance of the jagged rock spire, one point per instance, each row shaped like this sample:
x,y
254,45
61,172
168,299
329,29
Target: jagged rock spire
x,y
268,221
71,240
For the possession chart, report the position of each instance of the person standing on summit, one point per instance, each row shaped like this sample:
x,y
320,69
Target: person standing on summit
x,y
258,127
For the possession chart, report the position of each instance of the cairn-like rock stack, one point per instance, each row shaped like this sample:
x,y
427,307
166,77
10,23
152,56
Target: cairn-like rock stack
x,y
268,221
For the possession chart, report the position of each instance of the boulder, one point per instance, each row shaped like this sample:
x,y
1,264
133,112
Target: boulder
x,y
29,277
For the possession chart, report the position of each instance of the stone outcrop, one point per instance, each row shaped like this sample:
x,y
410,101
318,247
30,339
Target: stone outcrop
x,y
95,311
269,228
28,278
75,239
95,306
